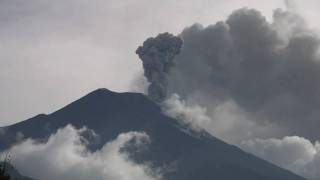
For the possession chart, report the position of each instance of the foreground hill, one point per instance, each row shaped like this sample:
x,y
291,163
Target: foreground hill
x,y
196,156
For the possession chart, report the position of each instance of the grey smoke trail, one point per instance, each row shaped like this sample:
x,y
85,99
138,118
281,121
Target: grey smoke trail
x,y
157,55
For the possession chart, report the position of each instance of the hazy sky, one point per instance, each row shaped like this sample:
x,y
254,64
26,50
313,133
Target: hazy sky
x,y
53,52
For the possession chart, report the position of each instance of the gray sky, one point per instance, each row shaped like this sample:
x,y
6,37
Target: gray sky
x,y
53,52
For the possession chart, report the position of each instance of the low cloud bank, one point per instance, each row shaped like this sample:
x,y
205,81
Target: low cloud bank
x,y
292,152
65,156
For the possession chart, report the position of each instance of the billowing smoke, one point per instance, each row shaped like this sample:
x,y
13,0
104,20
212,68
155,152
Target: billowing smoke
x,y
157,55
192,115
246,79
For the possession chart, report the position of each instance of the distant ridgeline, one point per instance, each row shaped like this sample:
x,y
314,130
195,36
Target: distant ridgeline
x,y
3,168
8,172
3,174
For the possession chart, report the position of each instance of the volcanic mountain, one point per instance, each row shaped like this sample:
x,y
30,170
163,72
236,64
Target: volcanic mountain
x,y
197,156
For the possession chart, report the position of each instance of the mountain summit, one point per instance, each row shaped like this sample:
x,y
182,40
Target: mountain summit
x,y
200,157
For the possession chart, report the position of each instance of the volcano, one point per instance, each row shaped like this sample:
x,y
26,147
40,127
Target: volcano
x,y
197,156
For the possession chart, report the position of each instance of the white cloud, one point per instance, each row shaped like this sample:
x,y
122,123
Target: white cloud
x,y
65,156
292,152
19,136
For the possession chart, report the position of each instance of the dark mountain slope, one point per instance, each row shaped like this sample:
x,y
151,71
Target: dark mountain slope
x,y
14,174
196,157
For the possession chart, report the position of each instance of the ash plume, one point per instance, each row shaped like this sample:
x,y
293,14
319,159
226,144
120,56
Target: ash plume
x,y
157,55
256,78
268,71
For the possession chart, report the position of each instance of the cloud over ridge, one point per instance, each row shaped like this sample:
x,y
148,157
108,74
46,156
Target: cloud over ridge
x,y
65,156
291,152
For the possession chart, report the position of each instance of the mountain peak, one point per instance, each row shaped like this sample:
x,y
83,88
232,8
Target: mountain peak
x,y
102,91
103,98
102,94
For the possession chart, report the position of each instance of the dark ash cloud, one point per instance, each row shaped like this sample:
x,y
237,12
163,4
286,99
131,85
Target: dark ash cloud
x,y
252,83
157,55
268,71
